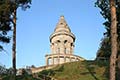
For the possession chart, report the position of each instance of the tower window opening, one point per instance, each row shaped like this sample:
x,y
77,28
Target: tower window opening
x,y
71,44
52,43
58,41
61,23
65,41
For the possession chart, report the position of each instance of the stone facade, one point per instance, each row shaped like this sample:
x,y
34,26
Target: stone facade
x,y
62,45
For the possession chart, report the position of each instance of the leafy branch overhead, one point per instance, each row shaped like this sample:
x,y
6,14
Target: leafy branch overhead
x,y
7,8
104,7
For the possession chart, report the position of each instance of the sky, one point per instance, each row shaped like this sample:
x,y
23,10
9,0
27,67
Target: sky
x,y
35,25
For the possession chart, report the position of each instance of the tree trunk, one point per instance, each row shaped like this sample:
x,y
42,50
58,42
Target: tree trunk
x,y
113,40
14,45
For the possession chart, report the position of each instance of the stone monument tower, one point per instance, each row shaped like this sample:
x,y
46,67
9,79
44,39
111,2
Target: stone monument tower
x,y
62,45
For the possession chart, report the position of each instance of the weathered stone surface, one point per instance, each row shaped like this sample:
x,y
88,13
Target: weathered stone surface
x,y
62,45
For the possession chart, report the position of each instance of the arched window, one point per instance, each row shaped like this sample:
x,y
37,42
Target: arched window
x,y
71,44
52,43
61,23
65,41
58,41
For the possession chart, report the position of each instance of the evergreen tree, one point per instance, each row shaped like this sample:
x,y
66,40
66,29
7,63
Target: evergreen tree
x,y
108,11
8,11
5,23
105,12
17,3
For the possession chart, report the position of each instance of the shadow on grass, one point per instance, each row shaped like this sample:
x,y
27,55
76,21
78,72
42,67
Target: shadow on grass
x,y
21,77
60,69
91,67
105,64
46,74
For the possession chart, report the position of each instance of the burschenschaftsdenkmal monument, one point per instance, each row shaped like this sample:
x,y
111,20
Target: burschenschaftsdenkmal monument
x,y
62,47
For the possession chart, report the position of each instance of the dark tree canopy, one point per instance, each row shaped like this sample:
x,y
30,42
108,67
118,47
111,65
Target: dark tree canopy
x,y
105,12
7,8
104,50
4,22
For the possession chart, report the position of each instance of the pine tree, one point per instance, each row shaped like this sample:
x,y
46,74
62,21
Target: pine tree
x,y
113,33
8,16
109,10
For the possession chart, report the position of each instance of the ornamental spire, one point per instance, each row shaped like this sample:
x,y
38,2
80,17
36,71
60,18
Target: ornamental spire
x,y
62,25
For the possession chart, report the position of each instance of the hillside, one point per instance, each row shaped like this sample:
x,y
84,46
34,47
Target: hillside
x,y
85,70
82,70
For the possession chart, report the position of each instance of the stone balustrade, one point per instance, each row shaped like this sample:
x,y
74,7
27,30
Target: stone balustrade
x,y
61,58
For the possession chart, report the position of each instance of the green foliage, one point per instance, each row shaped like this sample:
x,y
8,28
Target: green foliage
x,y
105,12
85,70
23,77
3,70
105,49
7,74
46,74
7,8
5,21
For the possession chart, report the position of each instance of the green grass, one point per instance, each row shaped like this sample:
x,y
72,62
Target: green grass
x,y
82,70
22,77
85,70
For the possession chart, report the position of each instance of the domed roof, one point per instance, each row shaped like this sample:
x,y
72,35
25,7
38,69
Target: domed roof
x,y
62,29
62,25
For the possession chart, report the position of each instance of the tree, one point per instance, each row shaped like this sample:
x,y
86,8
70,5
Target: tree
x,y
108,11
10,10
3,70
104,51
5,21
105,12
17,3
113,33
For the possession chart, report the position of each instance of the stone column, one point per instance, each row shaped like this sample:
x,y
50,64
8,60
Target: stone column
x,y
64,59
58,59
47,61
67,48
70,59
52,60
52,48
76,59
62,48
72,49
